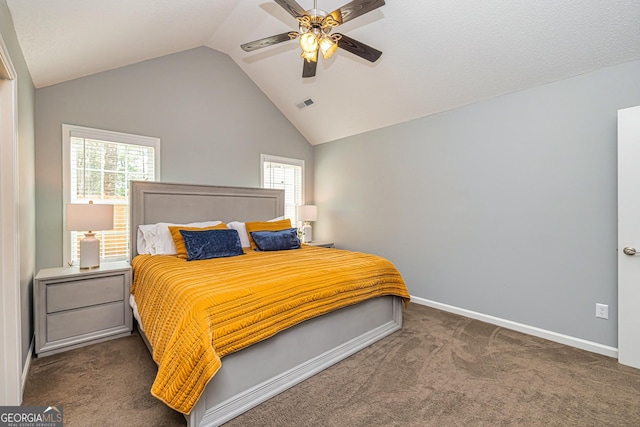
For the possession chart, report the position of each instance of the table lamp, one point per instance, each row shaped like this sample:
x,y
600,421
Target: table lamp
x,y
307,213
91,217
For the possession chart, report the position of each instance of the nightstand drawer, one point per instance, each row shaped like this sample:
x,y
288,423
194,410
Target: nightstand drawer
x,y
83,321
82,293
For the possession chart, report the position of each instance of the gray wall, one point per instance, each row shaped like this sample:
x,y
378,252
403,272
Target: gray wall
x,y
212,120
26,183
506,207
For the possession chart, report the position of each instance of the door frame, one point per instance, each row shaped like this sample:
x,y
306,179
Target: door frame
x,y
10,312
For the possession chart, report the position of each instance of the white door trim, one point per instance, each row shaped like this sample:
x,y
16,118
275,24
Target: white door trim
x,y
10,323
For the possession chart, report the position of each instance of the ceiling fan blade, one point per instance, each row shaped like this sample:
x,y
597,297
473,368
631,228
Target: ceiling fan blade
x,y
309,69
357,48
292,7
354,9
267,41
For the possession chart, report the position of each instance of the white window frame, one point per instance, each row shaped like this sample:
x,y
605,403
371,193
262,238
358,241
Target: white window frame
x,y
285,160
104,135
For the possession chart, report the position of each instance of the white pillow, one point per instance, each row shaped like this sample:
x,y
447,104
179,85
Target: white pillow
x,y
242,230
141,241
156,238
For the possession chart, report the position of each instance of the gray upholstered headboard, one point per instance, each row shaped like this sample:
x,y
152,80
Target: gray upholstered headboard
x,y
152,202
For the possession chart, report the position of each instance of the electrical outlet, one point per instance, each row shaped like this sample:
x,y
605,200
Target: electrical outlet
x,y
602,311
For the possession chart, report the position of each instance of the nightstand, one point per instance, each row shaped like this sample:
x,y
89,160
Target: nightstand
x,y
74,307
322,244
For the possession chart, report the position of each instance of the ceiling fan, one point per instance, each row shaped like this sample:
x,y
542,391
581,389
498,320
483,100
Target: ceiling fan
x,y
315,26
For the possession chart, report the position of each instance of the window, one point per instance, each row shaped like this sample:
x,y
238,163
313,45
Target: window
x,y
98,165
285,174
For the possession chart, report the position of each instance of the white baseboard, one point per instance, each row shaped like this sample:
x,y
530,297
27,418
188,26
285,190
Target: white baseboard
x,y
531,330
27,365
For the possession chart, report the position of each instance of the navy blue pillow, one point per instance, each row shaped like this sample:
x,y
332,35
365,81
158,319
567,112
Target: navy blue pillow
x,y
209,244
276,240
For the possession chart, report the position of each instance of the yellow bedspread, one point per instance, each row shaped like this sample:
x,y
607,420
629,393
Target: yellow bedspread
x,y
196,312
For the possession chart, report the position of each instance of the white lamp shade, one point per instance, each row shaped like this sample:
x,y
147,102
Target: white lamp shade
x,y
89,217
308,213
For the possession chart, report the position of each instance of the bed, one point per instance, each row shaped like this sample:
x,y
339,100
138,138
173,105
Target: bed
x,y
260,371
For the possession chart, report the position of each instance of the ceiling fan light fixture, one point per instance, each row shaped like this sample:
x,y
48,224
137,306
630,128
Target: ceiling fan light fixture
x,y
328,47
311,56
309,45
308,42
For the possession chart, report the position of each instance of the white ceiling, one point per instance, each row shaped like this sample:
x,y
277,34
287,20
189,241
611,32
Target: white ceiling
x,y
437,54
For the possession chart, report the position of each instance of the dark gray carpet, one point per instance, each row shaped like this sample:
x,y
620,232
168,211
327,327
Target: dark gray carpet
x,y
439,370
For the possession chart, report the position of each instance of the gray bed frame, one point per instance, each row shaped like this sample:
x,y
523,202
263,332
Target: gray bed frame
x,y
261,371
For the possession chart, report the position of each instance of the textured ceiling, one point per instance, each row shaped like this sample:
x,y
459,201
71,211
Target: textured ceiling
x,y
437,55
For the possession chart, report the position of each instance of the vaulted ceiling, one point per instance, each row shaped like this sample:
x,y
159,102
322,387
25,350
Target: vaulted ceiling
x,y
437,55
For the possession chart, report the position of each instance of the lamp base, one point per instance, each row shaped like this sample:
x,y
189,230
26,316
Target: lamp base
x,y
307,233
89,251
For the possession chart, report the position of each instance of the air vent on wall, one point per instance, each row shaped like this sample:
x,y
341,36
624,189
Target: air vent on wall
x,y
305,103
